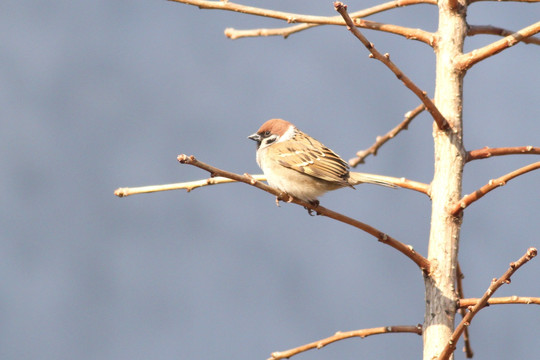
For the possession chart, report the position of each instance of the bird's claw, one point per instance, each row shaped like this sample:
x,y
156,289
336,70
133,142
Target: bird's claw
x,y
315,203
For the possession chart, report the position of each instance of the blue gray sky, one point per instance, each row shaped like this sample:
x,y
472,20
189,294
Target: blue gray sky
x,y
96,95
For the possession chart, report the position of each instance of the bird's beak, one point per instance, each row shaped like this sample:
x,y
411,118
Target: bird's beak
x,y
255,137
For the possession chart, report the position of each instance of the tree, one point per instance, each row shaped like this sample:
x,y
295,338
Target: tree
x,y
440,266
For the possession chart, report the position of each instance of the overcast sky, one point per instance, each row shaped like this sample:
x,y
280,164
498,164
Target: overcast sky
x,y
96,95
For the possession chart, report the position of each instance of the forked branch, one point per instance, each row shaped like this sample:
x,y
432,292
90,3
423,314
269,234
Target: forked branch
x,y
494,30
466,61
407,250
409,33
442,124
346,335
491,185
289,30
473,310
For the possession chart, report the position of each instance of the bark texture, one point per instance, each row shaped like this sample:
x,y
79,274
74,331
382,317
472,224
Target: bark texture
x,y
446,185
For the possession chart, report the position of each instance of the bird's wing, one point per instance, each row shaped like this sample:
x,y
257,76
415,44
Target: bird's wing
x,y
313,158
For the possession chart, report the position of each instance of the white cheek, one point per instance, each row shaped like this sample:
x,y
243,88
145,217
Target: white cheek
x,y
288,135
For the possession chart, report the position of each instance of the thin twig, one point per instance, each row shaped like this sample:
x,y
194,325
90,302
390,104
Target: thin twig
x,y
465,303
346,335
466,61
487,152
491,185
289,30
494,30
473,310
467,348
409,33
407,184
381,140
190,185
385,59
407,250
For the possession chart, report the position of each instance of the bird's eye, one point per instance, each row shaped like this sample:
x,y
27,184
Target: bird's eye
x,y
266,133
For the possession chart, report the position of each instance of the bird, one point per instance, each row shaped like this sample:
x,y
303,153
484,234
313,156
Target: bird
x,y
301,166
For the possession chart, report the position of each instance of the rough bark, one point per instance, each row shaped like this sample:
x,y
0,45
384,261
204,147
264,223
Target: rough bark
x,y
446,185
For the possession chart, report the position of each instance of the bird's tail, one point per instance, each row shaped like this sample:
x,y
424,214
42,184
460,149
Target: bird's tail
x,y
356,178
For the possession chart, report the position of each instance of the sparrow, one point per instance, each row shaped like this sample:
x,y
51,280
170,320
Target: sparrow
x,y
299,165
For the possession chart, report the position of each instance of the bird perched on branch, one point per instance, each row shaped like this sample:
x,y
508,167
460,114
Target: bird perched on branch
x,y
301,166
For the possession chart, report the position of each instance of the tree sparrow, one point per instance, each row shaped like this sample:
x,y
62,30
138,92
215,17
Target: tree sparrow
x,y
301,166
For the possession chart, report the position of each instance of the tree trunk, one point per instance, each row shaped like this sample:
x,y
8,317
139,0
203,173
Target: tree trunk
x,y
446,185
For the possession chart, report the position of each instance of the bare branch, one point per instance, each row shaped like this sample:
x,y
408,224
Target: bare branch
x,y
467,348
251,10
491,185
381,140
346,335
286,31
465,303
409,33
407,250
489,152
385,59
190,185
234,34
495,284
493,30
466,61
407,184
